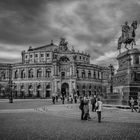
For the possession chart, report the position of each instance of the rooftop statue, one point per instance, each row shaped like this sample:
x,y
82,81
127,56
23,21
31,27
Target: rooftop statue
x,y
63,44
128,35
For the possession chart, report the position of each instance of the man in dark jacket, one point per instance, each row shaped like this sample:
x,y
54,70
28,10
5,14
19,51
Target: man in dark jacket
x,y
93,101
82,107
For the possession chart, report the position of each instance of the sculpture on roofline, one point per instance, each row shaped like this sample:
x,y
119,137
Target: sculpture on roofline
x,y
63,44
128,35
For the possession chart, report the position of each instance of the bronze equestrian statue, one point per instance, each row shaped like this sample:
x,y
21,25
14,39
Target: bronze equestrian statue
x,y
128,35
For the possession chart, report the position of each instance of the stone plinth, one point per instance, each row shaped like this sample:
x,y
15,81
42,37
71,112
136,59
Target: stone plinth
x,y
126,81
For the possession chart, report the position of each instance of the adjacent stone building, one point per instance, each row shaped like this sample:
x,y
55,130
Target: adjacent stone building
x,y
57,69
4,77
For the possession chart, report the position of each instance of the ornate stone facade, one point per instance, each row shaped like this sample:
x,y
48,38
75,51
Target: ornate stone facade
x,y
4,77
57,69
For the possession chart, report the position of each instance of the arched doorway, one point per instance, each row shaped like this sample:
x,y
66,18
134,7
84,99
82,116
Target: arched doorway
x,y
84,90
15,91
30,90
48,88
38,91
65,89
22,91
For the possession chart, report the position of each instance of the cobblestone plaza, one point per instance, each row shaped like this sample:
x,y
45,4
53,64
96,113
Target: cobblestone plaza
x,y
39,119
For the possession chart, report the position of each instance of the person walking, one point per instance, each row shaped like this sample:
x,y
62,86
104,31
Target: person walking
x,y
93,101
53,98
132,105
99,106
56,97
86,108
75,98
81,107
63,99
70,99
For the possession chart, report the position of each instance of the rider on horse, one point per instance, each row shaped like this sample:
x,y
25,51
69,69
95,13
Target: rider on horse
x,y
125,30
128,35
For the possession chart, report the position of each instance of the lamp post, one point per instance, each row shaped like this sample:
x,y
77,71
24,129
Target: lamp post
x,y
111,77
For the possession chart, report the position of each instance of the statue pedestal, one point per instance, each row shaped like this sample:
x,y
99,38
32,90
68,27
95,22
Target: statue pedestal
x,y
126,81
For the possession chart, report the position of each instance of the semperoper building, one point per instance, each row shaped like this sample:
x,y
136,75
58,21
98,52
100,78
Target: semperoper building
x,y
56,69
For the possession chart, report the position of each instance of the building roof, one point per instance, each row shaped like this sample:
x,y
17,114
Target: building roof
x,y
48,47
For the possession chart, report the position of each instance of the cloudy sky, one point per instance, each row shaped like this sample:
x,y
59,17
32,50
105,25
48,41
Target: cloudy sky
x,y
90,25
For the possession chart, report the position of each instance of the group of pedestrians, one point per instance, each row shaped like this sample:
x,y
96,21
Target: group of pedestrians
x,y
54,98
69,98
84,107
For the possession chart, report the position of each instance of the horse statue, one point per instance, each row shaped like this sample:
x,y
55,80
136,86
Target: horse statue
x,y
128,35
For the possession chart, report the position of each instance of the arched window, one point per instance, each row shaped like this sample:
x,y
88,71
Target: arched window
x,y
30,90
83,74
64,59
39,73
95,90
48,91
16,74
39,88
30,73
48,73
3,75
89,90
77,72
15,91
89,74
83,89
23,74
62,74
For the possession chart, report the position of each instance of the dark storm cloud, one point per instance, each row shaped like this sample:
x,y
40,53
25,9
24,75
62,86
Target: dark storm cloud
x,y
92,25
20,20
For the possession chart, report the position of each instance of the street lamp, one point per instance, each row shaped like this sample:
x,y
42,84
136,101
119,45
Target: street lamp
x,y
111,77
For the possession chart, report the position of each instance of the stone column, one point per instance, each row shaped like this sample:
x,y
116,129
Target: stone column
x,y
55,88
70,70
74,70
35,73
42,72
33,89
70,88
43,89
18,89
132,59
58,70
53,70
27,71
